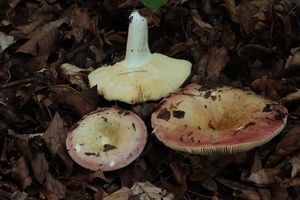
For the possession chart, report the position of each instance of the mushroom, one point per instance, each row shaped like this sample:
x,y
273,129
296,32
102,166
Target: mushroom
x,y
141,76
221,120
107,139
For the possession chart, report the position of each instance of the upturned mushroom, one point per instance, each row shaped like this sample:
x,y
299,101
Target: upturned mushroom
x,y
142,75
222,120
107,139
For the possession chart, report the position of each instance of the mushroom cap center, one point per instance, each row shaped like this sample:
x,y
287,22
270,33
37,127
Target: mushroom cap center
x,y
216,110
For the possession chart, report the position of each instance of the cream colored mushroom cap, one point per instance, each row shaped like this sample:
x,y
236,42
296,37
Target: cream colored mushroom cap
x,y
107,139
222,120
155,79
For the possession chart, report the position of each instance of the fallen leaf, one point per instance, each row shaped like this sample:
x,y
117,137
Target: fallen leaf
x,y
279,193
80,102
264,193
145,190
40,167
91,176
290,143
265,176
5,41
18,195
55,134
75,74
28,28
232,9
55,186
292,64
122,194
21,172
229,38
246,194
290,182
268,87
234,185
216,62
295,162
42,39
197,19
291,97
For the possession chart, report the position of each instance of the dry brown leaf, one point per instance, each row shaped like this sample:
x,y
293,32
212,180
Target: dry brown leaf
x,y
75,74
256,165
91,176
246,194
28,28
179,173
265,176
40,167
145,191
295,162
264,193
292,63
234,185
55,134
251,14
80,23
216,62
290,142
209,184
232,9
122,194
80,102
42,39
279,193
197,19
290,182
292,97
18,196
268,87
228,37
55,186
21,172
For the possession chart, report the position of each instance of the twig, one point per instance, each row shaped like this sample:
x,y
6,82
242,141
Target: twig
x,y
17,82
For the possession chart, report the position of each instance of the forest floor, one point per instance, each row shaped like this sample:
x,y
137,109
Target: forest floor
x,y
251,44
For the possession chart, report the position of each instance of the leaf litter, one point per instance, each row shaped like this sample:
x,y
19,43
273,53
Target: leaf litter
x,y
47,49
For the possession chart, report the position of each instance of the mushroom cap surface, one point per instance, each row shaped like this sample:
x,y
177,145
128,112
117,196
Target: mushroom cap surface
x,y
153,80
222,120
107,139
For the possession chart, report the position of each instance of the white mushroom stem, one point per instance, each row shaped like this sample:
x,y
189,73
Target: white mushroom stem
x,y
137,49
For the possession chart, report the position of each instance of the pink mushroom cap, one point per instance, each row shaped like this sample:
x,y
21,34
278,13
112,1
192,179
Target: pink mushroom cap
x,y
221,120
